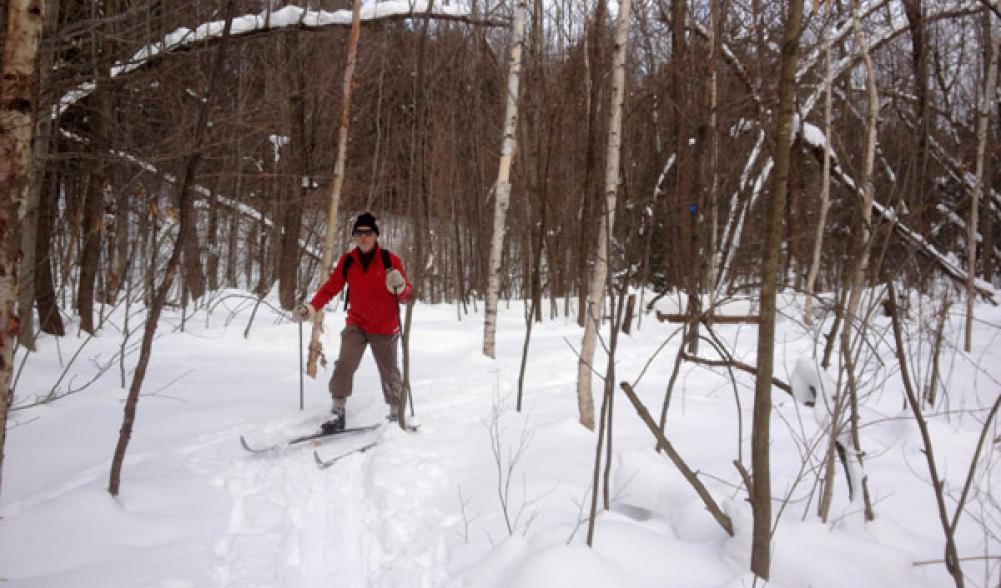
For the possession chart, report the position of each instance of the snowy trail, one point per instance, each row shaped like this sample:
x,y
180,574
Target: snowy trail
x,y
370,520
424,509
290,524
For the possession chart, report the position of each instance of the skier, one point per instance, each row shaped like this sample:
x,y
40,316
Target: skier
x,y
377,285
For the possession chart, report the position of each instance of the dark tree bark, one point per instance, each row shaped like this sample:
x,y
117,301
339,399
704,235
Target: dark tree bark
x,y
586,220
49,319
191,249
761,487
212,244
91,223
914,10
292,218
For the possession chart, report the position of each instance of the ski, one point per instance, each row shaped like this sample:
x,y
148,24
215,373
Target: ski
x,y
326,463
303,439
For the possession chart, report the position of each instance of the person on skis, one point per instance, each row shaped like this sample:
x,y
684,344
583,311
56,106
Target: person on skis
x,y
377,284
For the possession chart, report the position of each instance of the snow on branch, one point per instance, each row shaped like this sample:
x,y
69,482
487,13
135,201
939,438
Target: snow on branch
x,y
816,140
289,17
202,191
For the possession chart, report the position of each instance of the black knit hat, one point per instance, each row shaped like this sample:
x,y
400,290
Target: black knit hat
x,y
365,219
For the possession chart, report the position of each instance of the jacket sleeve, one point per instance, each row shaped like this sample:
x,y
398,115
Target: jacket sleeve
x,y
408,289
333,285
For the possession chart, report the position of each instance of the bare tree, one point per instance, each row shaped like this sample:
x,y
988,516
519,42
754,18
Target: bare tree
x,y
991,49
761,483
170,271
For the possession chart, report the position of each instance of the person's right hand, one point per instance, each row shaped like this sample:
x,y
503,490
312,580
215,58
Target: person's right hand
x,y
302,312
395,282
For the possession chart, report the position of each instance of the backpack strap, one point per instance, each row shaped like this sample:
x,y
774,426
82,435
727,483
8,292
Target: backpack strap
x,y
387,263
344,273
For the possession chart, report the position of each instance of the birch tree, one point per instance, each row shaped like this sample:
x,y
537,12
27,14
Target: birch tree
x,y
983,124
25,19
327,264
502,188
585,398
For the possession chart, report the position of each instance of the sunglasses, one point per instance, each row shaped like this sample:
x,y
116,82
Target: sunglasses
x,y
363,232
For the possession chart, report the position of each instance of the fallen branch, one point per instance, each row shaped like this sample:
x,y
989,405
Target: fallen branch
x,y
693,479
736,364
751,319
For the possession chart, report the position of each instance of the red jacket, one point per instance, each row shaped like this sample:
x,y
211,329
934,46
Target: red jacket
x,y
371,306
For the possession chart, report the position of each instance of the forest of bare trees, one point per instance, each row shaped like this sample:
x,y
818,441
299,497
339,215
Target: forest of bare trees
x,y
823,148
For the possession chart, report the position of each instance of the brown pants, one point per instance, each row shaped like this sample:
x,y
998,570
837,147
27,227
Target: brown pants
x,y
353,343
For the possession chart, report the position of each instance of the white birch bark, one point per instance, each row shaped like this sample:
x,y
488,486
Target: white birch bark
x,y
983,122
502,189
585,398
25,20
326,266
825,185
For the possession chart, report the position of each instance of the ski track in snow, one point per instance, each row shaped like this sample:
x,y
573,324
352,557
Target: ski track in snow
x,y
292,524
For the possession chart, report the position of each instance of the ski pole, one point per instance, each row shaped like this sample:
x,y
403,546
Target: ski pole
x,y
300,367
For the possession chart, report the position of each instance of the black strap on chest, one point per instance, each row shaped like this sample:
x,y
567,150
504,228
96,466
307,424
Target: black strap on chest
x,y
387,263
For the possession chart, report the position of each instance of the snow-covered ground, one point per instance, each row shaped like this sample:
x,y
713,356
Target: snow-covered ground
x,y
425,508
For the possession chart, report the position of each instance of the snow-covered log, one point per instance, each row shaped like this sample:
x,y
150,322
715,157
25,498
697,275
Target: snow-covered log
x,y
289,17
908,234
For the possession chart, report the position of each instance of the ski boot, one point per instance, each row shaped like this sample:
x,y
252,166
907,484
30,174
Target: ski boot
x,y
338,418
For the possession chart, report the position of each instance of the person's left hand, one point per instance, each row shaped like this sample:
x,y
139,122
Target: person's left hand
x,y
395,282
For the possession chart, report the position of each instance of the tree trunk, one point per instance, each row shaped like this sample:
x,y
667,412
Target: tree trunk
x,y
863,244
502,189
983,126
825,184
585,398
25,19
49,319
194,277
914,10
585,224
761,487
93,212
212,243
288,271
30,265
326,266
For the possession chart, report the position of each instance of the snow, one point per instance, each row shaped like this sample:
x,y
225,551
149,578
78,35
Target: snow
x,y
422,509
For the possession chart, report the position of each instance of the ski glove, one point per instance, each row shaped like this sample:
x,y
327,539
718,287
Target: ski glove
x,y
395,282
302,312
